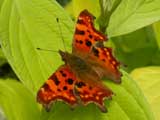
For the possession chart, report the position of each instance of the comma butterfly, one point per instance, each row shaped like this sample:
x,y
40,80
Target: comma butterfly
x,y
78,81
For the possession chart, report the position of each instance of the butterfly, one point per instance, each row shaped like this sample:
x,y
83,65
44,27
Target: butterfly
x,y
78,80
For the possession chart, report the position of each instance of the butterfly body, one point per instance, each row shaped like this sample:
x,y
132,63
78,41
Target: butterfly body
x,y
75,62
78,81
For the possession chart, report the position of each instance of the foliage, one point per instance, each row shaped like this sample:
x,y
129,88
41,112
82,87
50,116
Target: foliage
x,y
130,16
148,78
2,58
18,102
140,44
29,24
126,94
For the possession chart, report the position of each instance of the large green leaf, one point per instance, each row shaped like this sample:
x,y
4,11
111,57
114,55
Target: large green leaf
x,y
149,80
26,25
131,15
18,103
136,49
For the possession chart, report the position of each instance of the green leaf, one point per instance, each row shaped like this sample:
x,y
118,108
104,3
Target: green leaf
x,y
17,102
136,49
76,6
30,24
156,27
63,2
156,58
107,8
131,15
148,79
2,58
2,116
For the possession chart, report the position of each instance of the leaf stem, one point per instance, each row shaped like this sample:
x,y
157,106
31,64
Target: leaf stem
x,y
106,11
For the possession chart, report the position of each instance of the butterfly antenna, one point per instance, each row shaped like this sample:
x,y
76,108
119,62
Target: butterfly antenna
x,y
57,19
47,50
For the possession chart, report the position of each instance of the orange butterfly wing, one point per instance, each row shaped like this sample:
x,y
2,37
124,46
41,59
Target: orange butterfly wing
x,y
92,91
58,87
104,63
88,44
85,34
64,85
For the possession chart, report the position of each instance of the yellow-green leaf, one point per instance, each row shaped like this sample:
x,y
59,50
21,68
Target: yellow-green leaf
x,y
26,25
17,102
131,15
148,79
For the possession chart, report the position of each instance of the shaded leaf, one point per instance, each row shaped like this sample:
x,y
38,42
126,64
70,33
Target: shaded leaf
x,y
148,79
18,103
2,116
156,58
156,27
63,2
136,49
2,58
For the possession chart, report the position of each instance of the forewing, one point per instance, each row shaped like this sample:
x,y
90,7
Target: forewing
x,y
58,87
104,63
88,43
85,34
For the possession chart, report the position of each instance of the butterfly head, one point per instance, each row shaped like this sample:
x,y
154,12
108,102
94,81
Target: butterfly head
x,y
73,61
66,57
85,17
63,55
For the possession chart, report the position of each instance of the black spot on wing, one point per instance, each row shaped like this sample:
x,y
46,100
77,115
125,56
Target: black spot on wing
x,y
65,88
70,81
62,73
55,79
58,90
79,41
90,36
88,43
80,32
